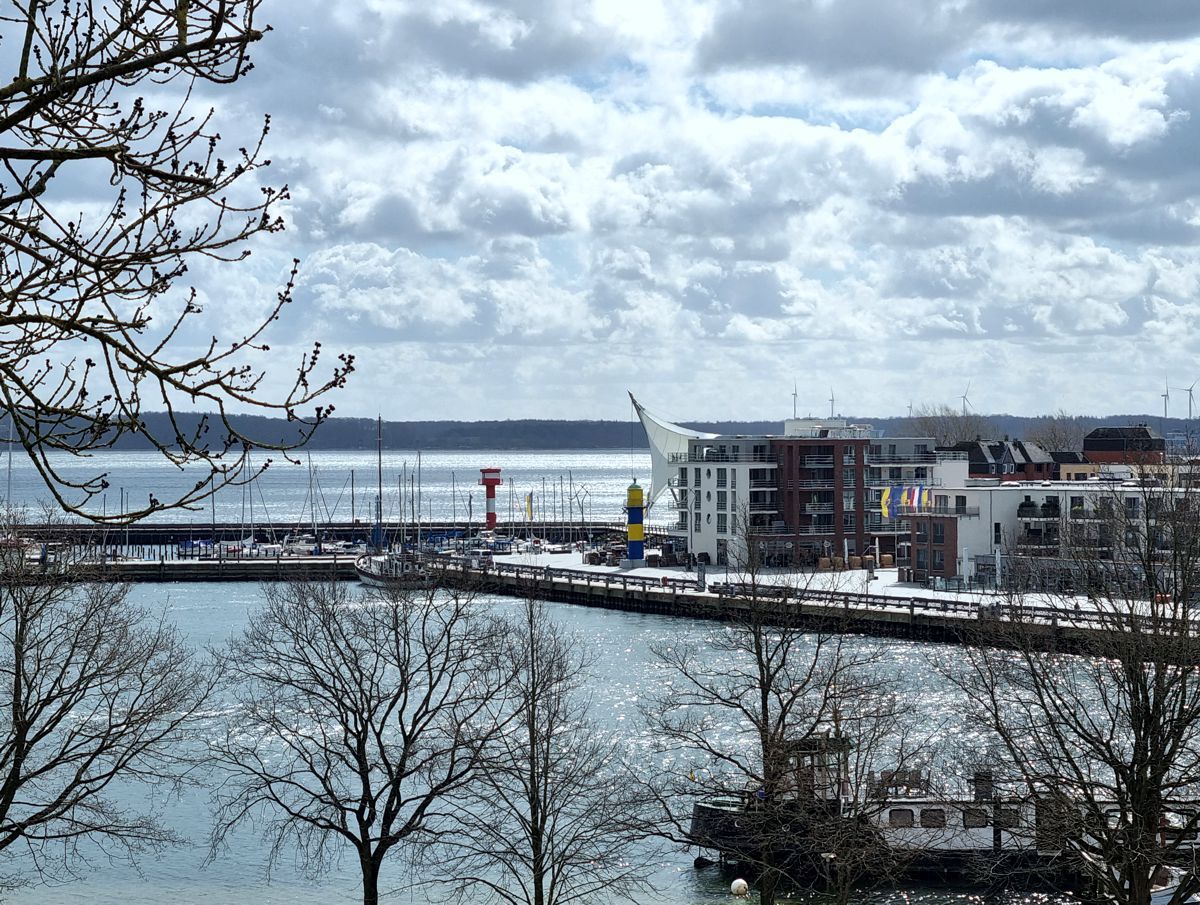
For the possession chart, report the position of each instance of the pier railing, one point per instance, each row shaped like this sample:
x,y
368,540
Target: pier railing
x,y
983,618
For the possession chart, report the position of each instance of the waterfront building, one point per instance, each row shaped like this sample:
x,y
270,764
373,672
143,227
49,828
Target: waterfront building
x,y
1007,460
1134,444
809,496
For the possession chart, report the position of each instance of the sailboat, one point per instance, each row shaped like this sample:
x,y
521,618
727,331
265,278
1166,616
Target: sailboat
x,y
381,568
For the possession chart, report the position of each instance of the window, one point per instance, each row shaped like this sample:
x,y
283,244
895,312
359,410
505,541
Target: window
x,y
695,499
939,533
921,448
733,522
1008,818
848,520
696,523
939,560
922,558
960,503
722,497
733,476
996,539
722,523
941,501
1131,506
721,473
733,501
683,477
848,501
696,475
933,818
895,474
900,817
975,818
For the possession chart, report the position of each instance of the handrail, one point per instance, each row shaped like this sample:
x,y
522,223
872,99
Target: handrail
x,y
1002,609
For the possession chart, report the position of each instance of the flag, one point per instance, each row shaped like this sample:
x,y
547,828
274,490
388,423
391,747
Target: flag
x,y
529,506
885,502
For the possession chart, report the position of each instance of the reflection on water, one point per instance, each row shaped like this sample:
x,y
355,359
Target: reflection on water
x,y
208,614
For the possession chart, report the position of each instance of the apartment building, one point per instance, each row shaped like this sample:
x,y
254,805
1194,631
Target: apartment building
x,y
808,494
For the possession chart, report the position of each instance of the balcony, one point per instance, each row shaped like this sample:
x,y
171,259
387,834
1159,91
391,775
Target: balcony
x,y
913,458
816,484
763,485
818,507
768,506
766,459
818,461
961,511
775,530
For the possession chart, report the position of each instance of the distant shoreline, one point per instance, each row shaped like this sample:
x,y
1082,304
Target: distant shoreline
x,y
358,434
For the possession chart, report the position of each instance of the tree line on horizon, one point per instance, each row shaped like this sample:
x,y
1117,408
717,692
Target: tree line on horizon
x,y
1054,432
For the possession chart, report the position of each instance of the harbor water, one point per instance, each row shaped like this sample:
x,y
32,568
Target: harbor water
x,y
343,486
624,670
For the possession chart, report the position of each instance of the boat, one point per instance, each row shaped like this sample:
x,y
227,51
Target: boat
x,y
393,571
901,820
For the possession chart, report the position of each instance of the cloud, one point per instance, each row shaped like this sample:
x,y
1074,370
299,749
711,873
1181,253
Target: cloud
x,y
537,204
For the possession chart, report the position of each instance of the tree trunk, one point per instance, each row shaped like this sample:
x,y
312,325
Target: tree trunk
x,y
767,884
370,878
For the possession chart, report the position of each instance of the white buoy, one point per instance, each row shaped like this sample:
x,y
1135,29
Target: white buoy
x,y
740,888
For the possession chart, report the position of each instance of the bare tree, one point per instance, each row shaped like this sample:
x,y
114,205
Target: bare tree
x,y
756,721
948,425
550,821
1108,741
1060,432
91,337
356,718
101,693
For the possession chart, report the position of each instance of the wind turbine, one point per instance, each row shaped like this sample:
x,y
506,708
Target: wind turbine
x,y
831,402
795,392
1191,395
910,408
965,401
1166,397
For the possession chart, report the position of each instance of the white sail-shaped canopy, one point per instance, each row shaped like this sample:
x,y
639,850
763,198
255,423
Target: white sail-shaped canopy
x,y
666,440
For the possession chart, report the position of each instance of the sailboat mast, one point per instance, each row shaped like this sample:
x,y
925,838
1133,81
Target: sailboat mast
x,y
378,532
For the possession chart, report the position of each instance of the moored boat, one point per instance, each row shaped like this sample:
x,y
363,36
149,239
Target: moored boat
x,y
393,571
906,827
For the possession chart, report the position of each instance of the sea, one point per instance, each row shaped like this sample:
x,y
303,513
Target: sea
x,y
565,483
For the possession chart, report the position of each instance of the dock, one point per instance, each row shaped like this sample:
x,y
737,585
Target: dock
x,y
220,569
817,605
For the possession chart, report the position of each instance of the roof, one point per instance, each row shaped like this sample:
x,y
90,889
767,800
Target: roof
x,y
1125,432
989,452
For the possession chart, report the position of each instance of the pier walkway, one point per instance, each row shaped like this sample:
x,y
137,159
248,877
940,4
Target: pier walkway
x,y
842,602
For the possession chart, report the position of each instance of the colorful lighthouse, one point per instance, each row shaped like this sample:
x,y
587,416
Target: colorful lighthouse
x,y
490,479
635,533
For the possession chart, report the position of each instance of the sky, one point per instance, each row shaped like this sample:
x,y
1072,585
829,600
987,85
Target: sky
x,y
524,209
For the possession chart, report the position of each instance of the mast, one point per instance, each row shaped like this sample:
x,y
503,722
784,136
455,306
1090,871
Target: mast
x,y
377,530
419,513
313,497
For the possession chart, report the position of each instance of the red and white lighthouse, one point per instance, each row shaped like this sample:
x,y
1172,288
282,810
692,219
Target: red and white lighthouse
x,y
490,479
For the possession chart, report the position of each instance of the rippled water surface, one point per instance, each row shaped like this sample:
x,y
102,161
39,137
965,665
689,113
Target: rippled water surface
x,y
624,668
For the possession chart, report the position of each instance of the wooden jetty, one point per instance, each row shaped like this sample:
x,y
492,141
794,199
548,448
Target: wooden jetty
x,y
234,568
999,623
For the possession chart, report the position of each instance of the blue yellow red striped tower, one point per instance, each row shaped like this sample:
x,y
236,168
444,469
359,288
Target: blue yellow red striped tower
x,y
635,531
